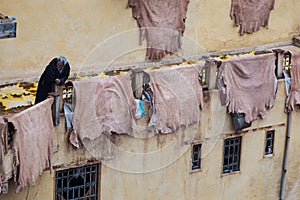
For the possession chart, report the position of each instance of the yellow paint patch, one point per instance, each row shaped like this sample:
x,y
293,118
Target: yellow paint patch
x,y
228,57
13,96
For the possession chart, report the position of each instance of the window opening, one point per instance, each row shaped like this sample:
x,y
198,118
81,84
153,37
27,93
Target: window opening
x,y
77,183
203,77
8,26
269,142
68,92
232,150
286,62
10,132
196,156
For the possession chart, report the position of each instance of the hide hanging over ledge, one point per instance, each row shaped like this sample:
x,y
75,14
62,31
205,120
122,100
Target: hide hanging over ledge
x,y
161,23
294,95
249,85
250,15
177,98
3,130
32,143
103,105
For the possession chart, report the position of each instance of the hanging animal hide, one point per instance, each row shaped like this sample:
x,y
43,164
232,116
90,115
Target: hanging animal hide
x,y
3,130
177,98
250,15
250,85
161,23
103,105
32,143
294,95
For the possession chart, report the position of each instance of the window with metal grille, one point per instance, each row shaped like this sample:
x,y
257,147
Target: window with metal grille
x,y
77,183
8,26
196,156
269,142
68,92
286,61
232,151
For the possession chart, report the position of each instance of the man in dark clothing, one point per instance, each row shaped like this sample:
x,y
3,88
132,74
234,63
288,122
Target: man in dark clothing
x,y
57,72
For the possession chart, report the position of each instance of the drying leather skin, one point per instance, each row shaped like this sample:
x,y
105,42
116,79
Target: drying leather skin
x,y
294,95
103,105
161,23
250,85
250,15
3,129
32,143
177,98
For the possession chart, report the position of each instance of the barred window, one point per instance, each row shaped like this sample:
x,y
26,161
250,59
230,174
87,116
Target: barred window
x,y
196,157
68,92
286,61
232,151
77,183
269,142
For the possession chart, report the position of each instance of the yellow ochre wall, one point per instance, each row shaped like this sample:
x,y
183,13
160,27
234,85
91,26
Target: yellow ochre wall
x,y
99,34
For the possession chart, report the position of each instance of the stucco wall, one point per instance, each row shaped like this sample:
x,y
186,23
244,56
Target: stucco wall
x,y
97,34
259,177
41,190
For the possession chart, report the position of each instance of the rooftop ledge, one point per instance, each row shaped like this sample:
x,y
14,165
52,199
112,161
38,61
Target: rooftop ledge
x,y
19,94
196,57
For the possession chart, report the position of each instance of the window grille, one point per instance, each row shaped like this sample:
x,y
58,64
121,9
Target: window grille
x,y
286,64
286,61
232,151
68,92
269,142
196,156
203,77
77,183
8,26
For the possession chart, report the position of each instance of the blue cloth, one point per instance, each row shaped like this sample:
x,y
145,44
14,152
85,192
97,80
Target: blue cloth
x,y
68,115
139,109
287,80
142,108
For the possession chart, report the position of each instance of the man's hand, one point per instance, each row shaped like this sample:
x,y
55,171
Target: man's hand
x,y
57,81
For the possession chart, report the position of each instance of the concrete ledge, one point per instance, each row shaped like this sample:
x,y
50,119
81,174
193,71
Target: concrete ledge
x,y
196,56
